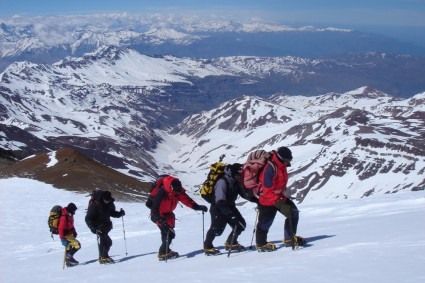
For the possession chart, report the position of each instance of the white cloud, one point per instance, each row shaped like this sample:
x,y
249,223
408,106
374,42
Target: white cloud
x,y
52,34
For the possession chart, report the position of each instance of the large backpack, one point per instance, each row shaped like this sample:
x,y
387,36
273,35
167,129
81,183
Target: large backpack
x,y
154,190
53,220
93,196
252,168
215,173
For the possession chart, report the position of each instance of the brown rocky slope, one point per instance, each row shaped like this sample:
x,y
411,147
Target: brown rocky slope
x,y
69,169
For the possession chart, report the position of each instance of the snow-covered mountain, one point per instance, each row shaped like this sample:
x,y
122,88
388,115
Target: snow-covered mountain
x,y
124,105
73,32
49,39
347,145
120,106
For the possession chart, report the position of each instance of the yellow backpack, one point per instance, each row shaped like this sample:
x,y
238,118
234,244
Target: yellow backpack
x,y
216,172
53,220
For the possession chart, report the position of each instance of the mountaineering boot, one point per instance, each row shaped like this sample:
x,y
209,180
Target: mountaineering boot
x,y
269,247
170,255
287,243
211,251
105,260
300,242
70,260
235,247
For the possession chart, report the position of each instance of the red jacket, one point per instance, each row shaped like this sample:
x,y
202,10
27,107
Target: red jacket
x,y
163,206
273,183
66,224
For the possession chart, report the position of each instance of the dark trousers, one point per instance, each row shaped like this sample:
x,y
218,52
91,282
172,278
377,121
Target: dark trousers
x,y
218,224
171,235
292,217
104,244
266,217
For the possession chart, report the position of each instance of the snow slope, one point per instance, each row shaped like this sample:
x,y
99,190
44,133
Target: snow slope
x,y
376,239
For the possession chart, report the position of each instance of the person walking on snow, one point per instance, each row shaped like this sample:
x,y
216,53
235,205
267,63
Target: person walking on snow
x,y
167,193
223,210
67,233
274,179
98,219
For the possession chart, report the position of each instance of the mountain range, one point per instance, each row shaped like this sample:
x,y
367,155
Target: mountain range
x,y
49,39
345,145
355,121
144,115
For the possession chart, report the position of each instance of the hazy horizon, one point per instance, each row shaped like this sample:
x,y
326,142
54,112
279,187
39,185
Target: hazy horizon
x,y
399,19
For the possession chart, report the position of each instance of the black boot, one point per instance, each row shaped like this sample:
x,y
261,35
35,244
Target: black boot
x,y
70,260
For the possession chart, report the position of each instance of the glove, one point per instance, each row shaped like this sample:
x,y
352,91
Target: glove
x,y
122,212
200,207
64,243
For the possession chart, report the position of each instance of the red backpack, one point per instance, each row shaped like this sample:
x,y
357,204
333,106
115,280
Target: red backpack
x,y
252,168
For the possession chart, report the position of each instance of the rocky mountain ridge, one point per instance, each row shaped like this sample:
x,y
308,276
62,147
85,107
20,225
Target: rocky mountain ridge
x,y
347,145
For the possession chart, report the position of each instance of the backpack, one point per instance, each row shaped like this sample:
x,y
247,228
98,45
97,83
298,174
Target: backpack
x,y
53,220
154,189
215,173
93,196
252,168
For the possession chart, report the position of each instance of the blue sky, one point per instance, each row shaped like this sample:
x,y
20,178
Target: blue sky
x,y
404,19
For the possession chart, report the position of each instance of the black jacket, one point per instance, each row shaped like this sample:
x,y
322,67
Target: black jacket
x,y
226,191
99,215
228,188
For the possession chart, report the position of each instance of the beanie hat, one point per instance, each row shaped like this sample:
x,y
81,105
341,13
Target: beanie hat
x,y
284,153
176,185
71,208
106,195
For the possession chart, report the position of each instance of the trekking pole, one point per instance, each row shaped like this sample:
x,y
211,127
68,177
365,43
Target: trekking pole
x,y
233,239
166,244
64,259
291,227
98,244
255,227
203,228
125,240
294,242
288,214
